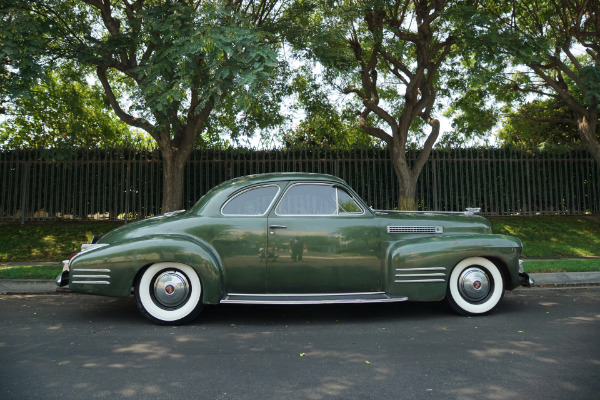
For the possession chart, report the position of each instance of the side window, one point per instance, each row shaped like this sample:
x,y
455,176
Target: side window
x,y
255,201
346,204
308,199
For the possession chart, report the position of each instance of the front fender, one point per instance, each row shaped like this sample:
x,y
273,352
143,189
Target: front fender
x,y
419,268
111,270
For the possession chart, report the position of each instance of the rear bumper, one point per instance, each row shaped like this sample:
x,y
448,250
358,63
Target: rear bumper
x,y
63,278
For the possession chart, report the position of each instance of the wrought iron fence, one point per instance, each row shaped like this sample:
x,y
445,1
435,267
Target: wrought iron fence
x,y
127,184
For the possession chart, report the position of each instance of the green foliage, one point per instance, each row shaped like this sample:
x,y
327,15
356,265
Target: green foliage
x,y
166,62
381,55
328,130
214,50
523,56
540,124
324,125
64,110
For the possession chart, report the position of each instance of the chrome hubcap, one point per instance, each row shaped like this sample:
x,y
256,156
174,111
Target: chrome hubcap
x,y
474,284
171,289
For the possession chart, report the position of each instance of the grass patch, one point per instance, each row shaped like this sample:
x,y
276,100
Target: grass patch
x,y
30,272
538,266
48,241
552,235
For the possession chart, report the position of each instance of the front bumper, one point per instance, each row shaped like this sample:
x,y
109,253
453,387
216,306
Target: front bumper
x,y
525,280
63,278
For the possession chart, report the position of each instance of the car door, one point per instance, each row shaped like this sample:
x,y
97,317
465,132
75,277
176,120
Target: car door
x,y
240,238
323,241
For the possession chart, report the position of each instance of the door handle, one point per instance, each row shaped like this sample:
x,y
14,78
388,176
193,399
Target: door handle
x,y
277,226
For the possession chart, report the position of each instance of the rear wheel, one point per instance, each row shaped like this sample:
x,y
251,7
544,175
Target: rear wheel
x,y
475,286
169,293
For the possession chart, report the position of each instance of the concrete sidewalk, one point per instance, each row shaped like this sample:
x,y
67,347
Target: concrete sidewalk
x,y
37,286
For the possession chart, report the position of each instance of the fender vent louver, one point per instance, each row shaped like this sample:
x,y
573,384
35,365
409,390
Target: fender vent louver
x,y
415,229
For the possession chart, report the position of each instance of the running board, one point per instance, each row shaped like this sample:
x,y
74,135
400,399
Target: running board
x,y
312,298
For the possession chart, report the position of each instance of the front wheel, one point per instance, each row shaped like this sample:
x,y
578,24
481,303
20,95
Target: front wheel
x,y
169,293
475,286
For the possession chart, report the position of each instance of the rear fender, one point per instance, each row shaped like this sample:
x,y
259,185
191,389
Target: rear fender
x,y
118,265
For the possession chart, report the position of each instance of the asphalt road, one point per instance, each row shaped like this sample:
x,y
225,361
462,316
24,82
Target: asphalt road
x,y
539,344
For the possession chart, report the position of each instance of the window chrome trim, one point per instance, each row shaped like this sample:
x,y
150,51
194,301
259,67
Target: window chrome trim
x,y
337,189
248,190
332,185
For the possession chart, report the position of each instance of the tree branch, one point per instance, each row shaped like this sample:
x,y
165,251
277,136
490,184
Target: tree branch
x,y
127,118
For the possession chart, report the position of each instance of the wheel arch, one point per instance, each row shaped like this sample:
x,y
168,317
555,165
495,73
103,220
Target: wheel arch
x,y
503,267
198,256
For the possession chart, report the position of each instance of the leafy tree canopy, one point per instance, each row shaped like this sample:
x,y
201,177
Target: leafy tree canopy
x,y
540,53
389,58
539,124
326,124
166,67
64,110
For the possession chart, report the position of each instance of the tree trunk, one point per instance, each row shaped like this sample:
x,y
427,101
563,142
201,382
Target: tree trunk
x,y
406,199
406,182
587,130
173,169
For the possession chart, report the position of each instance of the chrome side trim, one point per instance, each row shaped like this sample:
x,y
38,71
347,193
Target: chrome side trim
x,y
468,212
85,247
90,270
92,276
425,272
421,269
415,229
419,275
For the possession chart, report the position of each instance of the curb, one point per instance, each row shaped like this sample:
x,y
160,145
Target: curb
x,y
42,286
27,286
566,278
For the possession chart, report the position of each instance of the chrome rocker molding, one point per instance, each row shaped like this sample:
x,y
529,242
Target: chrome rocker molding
x,y
316,298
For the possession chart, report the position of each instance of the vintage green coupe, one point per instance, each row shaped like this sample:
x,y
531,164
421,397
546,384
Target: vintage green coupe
x,y
295,238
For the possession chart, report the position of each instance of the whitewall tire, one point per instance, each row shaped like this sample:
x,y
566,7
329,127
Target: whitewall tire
x,y
475,286
169,293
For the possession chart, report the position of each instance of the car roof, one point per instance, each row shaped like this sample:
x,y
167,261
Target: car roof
x,y
282,176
